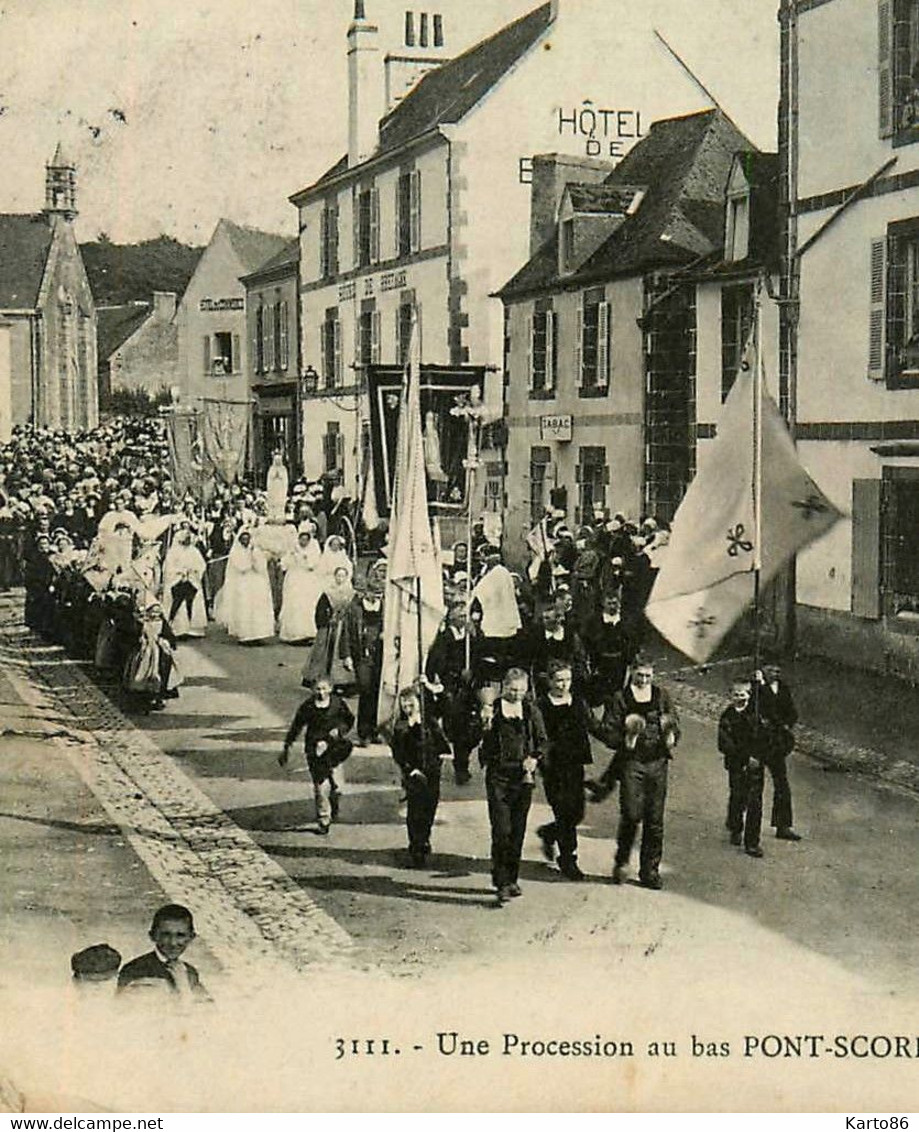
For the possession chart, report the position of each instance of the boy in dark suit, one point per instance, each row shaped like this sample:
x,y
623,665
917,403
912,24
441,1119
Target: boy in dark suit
x,y
172,930
741,742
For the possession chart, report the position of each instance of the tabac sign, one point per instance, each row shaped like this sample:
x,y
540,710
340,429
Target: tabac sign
x,y
555,427
445,432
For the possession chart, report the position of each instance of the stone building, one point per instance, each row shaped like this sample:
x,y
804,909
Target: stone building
x,y
625,327
850,294
48,313
139,347
427,211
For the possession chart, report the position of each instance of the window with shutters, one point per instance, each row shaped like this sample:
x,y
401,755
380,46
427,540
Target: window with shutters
x,y
404,214
898,69
593,476
543,350
404,315
222,353
595,341
893,331
737,310
367,228
368,334
328,241
333,449
331,349
539,482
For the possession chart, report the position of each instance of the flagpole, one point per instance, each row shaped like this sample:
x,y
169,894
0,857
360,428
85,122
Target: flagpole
x,y
757,483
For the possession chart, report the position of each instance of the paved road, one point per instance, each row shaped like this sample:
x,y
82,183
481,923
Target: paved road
x,y
815,934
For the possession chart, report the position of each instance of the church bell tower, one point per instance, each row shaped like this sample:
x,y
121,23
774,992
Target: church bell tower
x,y
60,186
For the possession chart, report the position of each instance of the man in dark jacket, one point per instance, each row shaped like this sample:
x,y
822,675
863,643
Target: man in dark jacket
x,y
417,745
779,715
513,741
446,665
568,723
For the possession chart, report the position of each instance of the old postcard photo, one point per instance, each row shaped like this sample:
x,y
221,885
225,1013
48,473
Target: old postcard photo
x,y
459,524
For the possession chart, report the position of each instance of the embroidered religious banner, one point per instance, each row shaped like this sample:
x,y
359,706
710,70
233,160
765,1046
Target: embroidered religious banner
x,y
224,437
184,452
448,397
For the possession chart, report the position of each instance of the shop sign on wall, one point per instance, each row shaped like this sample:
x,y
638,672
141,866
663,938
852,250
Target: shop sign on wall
x,y
555,427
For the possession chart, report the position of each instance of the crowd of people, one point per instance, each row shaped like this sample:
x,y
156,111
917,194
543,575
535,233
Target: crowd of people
x,y
529,669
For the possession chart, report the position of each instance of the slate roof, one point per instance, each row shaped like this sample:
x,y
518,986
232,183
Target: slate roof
x,y
288,256
446,94
25,240
683,164
253,246
116,324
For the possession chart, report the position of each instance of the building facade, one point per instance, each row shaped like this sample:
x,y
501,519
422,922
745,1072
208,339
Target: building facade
x,y
139,347
272,315
624,330
428,211
851,316
46,300
213,340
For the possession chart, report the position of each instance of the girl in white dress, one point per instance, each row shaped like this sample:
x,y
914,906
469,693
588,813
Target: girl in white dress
x,y
244,604
303,587
334,555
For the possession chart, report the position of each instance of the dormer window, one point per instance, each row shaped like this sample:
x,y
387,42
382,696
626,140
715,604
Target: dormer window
x,y
737,235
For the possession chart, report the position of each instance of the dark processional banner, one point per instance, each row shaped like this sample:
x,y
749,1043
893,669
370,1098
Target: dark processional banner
x,y
445,392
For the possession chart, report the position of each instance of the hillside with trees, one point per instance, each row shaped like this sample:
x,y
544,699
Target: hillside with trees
x,y
122,273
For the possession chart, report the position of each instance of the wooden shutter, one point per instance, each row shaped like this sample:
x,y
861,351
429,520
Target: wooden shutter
x,y
603,338
333,240
336,352
325,267
877,311
356,226
374,225
257,342
579,346
207,353
531,351
551,352
236,362
415,197
397,219
285,336
375,338
340,453
886,91
866,548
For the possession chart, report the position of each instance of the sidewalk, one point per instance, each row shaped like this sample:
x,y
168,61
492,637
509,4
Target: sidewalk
x,y
850,720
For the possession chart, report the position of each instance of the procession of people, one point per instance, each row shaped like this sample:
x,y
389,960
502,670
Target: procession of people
x,y
536,671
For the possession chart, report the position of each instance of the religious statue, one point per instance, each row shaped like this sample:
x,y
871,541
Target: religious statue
x,y
276,489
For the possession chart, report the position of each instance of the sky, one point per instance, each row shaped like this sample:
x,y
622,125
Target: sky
x,y
180,112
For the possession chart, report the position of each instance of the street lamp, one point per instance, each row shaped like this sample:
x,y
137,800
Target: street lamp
x,y
309,382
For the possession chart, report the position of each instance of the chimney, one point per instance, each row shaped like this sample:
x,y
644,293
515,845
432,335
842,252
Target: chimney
x,y
422,51
551,173
365,87
164,306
